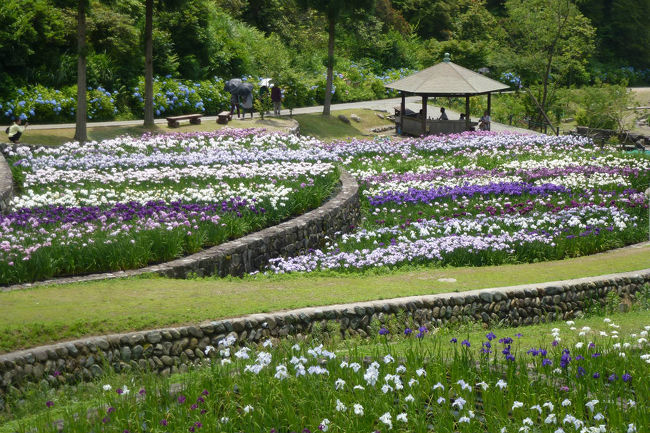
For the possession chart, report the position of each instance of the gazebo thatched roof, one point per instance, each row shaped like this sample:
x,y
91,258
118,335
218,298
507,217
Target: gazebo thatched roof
x,y
447,79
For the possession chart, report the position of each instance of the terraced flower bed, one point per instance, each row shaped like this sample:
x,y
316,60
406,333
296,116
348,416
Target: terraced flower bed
x,y
575,379
483,199
129,202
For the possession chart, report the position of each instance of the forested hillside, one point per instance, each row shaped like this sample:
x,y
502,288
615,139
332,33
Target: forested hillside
x,y
199,39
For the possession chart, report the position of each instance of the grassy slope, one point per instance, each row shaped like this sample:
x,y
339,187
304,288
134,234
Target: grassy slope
x,y
331,127
52,313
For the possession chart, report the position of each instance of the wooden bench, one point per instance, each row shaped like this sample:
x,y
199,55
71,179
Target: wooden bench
x,y
224,117
173,122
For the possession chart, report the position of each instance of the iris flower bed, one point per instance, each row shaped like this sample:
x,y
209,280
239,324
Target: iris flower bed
x,y
484,199
576,379
128,202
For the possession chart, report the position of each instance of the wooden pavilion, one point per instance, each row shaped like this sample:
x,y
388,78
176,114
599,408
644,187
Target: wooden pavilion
x,y
444,79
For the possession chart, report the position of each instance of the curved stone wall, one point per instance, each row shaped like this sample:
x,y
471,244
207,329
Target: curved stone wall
x,y
170,350
251,253
6,184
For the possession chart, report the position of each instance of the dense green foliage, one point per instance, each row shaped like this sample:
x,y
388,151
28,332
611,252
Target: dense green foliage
x,y
200,39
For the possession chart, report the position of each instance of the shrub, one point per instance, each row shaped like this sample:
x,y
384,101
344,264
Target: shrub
x,y
173,96
41,104
603,106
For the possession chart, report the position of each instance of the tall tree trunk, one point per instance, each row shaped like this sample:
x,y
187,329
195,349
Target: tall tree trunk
x,y
148,73
330,67
80,133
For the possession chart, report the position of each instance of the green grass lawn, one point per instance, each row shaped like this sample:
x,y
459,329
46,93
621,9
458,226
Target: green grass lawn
x,y
328,128
52,313
57,136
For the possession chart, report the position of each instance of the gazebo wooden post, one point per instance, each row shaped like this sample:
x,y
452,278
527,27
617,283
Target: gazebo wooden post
x,y
468,120
489,108
424,115
401,113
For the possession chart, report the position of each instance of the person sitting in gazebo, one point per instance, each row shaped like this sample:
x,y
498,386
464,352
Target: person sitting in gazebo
x,y
443,115
484,122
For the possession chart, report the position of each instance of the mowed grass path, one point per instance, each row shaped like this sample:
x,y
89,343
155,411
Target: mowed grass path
x,y
53,313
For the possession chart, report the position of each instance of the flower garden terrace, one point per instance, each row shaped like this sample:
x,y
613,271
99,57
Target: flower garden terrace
x,y
484,199
584,376
469,199
128,202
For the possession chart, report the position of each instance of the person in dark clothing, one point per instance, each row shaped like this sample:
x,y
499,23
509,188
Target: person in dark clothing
x,y
276,98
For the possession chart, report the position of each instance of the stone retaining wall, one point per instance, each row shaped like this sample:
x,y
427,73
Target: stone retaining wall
x,y
167,351
6,184
251,253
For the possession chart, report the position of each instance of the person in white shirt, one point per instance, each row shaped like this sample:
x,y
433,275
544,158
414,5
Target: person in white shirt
x,y
16,130
484,122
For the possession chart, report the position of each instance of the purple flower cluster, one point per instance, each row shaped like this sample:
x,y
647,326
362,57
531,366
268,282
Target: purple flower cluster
x,y
426,196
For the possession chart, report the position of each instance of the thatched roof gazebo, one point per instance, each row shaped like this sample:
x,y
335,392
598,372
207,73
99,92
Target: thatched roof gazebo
x,y
444,79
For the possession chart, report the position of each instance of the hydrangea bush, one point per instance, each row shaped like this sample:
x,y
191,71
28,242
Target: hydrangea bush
x,y
173,97
127,202
484,199
39,104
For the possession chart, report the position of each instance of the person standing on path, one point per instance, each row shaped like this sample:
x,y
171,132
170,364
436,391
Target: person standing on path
x,y
234,104
16,130
247,104
276,98
443,115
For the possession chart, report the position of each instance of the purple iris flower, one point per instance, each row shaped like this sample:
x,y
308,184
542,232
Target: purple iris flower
x,y
408,331
565,360
465,343
490,336
596,375
612,377
453,340
627,377
383,331
546,362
